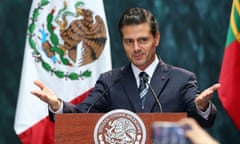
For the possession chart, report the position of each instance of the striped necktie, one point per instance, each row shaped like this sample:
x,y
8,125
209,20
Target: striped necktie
x,y
143,89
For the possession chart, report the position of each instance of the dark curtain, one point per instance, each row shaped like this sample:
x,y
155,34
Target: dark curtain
x,y
193,36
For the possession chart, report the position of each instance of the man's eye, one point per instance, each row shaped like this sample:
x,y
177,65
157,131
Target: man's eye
x,y
143,40
128,41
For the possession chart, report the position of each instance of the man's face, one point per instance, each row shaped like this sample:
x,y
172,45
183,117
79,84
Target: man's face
x,y
139,44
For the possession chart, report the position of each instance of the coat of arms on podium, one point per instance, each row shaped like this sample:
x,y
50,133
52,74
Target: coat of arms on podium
x,y
120,127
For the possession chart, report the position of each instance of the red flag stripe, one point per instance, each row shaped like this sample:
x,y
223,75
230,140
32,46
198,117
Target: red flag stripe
x,y
229,91
43,131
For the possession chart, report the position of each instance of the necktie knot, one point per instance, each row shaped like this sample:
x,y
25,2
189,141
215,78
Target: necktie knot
x,y
143,76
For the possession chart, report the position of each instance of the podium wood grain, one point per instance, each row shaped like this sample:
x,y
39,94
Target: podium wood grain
x,y
78,128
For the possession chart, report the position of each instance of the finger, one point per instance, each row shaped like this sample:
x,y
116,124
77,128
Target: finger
x,y
214,87
40,95
37,93
39,84
207,94
190,134
188,121
206,97
203,97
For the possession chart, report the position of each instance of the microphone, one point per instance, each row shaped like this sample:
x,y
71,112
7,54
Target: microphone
x,y
103,93
145,79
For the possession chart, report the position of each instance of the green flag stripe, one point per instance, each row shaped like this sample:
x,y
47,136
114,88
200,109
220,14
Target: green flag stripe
x,y
233,31
230,37
236,19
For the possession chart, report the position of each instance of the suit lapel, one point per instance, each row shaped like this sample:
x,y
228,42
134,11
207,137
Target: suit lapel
x,y
158,82
130,87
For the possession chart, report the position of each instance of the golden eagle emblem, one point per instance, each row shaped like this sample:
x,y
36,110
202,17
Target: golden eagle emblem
x,y
87,29
66,36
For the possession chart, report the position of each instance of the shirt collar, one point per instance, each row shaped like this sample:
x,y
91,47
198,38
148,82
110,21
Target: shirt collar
x,y
149,70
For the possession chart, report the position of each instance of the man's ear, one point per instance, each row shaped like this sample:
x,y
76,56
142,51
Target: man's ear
x,y
157,38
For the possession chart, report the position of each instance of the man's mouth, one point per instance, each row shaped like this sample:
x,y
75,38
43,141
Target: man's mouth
x,y
138,56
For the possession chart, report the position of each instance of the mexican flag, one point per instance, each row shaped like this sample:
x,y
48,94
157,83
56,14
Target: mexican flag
x,y
229,92
67,47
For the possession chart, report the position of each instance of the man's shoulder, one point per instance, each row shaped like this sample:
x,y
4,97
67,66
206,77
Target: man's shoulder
x,y
165,67
180,70
115,72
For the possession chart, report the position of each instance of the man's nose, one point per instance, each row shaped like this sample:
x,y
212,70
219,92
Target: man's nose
x,y
136,46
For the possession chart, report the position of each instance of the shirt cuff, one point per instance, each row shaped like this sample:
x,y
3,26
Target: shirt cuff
x,y
59,111
206,113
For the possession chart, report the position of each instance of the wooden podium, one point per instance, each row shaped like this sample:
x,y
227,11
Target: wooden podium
x,y
79,128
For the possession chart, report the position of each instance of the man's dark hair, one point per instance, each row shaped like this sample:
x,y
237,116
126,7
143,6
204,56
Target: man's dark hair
x,y
135,16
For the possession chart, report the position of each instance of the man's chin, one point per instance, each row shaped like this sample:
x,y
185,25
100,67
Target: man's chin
x,y
140,65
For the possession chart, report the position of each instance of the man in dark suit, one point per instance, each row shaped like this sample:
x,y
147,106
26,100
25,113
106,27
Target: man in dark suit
x,y
167,88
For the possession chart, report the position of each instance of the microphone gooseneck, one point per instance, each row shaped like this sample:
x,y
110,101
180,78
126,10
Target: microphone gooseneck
x,y
103,93
145,78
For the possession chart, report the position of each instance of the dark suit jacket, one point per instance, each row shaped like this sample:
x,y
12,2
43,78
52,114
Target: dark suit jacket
x,y
176,89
